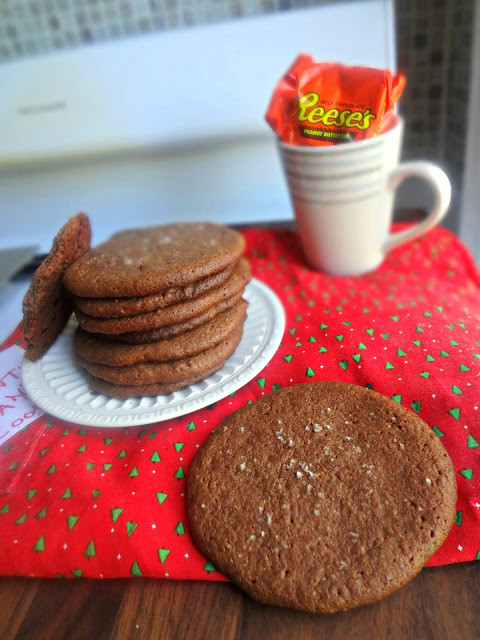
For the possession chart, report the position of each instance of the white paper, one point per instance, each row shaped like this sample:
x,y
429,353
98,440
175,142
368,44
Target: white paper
x,y
16,410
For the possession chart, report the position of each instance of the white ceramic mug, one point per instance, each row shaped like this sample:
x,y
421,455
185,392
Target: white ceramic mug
x,y
342,196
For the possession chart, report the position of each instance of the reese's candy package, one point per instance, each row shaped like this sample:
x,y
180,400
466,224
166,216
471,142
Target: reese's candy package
x,y
325,103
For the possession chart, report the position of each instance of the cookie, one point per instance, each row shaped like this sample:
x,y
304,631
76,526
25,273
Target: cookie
x,y
94,349
146,373
162,333
172,314
321,496
139,262
123,391
110,307
47,306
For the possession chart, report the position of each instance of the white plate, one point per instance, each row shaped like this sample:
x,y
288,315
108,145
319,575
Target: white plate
x,y
58,386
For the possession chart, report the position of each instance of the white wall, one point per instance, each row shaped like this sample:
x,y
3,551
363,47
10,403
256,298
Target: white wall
x,y
167,126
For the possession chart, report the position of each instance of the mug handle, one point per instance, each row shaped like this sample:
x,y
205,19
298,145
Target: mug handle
x,y
442,192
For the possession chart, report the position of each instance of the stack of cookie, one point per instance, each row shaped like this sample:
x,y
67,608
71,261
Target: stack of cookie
x,y
158,308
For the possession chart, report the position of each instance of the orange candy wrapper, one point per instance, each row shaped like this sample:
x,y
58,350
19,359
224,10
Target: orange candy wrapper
x,y
324,103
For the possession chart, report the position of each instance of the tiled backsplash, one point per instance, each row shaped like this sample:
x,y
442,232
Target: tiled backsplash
x,y
434,43
29,27
434,48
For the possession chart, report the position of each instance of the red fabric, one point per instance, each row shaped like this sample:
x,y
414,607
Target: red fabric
x,y
110,502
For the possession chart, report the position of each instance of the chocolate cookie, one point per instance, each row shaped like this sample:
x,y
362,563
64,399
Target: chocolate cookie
x,y
147,373
110,307
163,333
174,313
46,305
124,391
321,496
139,262
103,351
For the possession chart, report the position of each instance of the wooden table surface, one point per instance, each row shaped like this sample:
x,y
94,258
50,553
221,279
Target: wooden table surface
x,y
441,603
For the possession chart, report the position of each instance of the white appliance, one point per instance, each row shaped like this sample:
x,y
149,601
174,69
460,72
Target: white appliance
x,y
162,127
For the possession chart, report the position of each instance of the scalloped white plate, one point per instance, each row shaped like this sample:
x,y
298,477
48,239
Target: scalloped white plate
x,y
58,386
